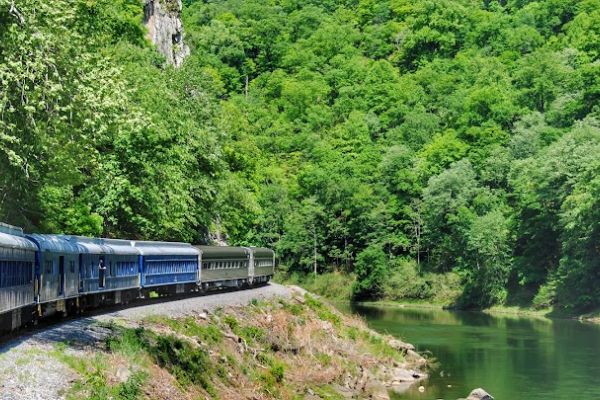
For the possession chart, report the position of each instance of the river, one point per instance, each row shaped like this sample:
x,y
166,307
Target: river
x,y
510,357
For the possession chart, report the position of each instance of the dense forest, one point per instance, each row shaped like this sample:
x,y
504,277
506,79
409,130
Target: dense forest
x,y
412,144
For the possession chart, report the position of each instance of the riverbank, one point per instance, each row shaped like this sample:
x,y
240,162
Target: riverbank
x,y
286,344
337,287
500,310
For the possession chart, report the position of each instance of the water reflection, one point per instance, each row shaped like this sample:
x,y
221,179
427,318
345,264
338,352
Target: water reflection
x,y
511,357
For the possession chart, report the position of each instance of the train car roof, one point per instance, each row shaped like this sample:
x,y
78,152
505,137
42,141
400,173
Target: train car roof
x,y
12,237
223,252
148,248
87,245
262,252
121,246
55,243
11,230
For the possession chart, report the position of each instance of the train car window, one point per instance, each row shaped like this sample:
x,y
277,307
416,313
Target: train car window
x,y
72,266
48,266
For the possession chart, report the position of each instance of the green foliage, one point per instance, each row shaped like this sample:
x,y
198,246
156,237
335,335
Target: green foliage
x,y
209,333
371,270
94,383
323,312
336,286
345,135
406,282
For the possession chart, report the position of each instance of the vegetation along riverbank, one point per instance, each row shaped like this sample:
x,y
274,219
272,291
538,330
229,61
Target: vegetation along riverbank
x,y
407,291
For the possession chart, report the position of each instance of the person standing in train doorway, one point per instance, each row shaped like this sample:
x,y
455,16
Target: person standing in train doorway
x,y
101,273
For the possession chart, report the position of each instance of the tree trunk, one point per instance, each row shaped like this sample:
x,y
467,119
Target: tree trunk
x,y
315,251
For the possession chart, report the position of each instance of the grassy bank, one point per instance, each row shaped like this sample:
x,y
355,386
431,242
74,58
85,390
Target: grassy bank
x,y
276,349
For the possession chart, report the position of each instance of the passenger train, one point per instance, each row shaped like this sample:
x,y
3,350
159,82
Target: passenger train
x,y
42,275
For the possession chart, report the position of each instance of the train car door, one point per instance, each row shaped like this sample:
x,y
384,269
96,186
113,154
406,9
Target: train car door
x,y
82,274
251,267
61,274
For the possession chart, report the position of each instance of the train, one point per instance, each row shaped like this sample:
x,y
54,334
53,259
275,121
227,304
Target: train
x,y
49,274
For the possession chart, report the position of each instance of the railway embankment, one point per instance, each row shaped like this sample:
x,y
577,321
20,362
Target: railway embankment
x,y
273,342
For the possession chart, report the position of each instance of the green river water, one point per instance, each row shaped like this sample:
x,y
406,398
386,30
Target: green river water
x,y
511,357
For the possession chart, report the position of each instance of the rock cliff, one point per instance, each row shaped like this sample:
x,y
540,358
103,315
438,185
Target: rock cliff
x,y
165,30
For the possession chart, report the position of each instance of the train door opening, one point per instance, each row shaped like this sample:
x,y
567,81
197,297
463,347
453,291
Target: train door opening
x,y
101,273
81,273
61,274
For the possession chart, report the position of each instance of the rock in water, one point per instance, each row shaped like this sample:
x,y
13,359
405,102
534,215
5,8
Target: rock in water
x,y
479,394
165,30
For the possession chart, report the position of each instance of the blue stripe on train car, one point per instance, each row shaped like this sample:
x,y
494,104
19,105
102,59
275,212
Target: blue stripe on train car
x,y
167,263
169,269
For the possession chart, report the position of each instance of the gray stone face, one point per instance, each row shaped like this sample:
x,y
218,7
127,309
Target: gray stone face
x,y
163,21
479,394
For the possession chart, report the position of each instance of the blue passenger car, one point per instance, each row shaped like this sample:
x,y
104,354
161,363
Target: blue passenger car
x,y
168,264
57,268
17,266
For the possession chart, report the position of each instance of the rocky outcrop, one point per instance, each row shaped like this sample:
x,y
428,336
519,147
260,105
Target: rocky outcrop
x,y
163,21
479,394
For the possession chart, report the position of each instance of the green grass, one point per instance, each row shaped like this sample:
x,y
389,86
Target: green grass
x,y
93,384
378,345
323,312
209,334
327,393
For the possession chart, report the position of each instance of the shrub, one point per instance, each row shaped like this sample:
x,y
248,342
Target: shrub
x,y
371,272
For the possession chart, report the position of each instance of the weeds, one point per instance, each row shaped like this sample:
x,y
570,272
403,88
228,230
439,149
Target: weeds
x,y
209,334
94,384
322,311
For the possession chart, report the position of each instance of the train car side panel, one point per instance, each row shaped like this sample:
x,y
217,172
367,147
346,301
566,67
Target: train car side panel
x,y
264,263
168,263
17,267
57,269
225,264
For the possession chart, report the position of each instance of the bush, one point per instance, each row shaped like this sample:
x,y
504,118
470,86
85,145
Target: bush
x,y
333,285
371,272
546,295
405,282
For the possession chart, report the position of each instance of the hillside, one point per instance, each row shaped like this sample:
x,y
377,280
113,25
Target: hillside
x,y
453,143
266,343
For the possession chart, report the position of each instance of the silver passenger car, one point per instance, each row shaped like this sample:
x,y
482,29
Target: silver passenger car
x,y
17,268
107,265
57,267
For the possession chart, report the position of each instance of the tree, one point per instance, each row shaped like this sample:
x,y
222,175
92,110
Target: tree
x,y
371,271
